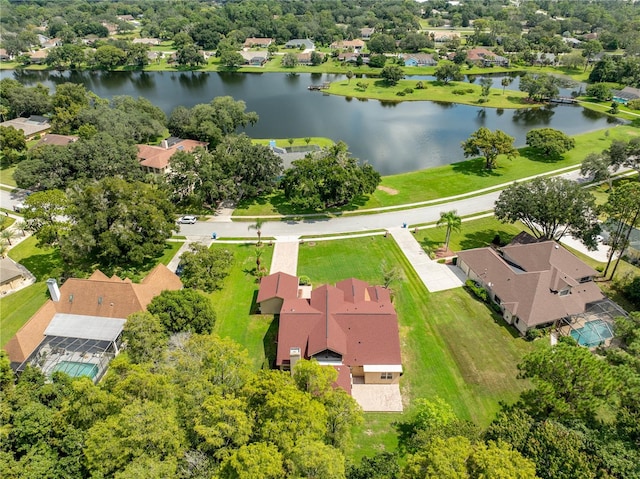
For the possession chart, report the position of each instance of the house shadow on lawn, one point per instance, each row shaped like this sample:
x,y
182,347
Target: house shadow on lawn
x,y
270,343
475,167
497,318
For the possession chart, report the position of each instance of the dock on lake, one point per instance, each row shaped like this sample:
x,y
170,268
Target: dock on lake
x,y
322,86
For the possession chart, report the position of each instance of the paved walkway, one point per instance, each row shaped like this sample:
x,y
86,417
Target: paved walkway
x,y
285,255
435,276
377,397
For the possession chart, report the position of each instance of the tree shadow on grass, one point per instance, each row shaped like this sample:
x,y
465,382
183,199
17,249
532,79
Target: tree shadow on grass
x,y
475,167
270,343
481,239
44,266
537,156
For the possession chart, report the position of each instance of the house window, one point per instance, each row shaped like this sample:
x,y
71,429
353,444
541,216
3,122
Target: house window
x,y
386,376
564,292
585,279
497,299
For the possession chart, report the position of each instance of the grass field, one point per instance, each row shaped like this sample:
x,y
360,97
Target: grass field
x,y
235,303
453,346
6,176
455,179
467,93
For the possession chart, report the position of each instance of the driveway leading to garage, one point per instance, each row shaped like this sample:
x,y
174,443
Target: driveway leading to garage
x,y
285,255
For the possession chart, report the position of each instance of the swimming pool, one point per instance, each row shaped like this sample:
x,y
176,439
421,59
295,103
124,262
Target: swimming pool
x,y
76,370
592,333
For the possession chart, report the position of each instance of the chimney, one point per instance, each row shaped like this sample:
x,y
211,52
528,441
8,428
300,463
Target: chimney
x,y
54,291
294,356
165,144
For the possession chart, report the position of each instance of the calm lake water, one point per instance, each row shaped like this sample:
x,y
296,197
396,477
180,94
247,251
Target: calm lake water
x,y
393,137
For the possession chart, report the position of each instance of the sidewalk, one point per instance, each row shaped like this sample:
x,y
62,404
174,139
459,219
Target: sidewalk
x,y
435,276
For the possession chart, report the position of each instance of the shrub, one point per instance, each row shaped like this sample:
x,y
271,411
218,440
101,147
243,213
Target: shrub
x,y
632,290
534,334
469,90
408,91
479,291
401,93
634,104
420,86
459,91
304,281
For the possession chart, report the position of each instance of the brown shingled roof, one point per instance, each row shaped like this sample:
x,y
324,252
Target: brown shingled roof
x,y
96,296
529,276
158,157
278,285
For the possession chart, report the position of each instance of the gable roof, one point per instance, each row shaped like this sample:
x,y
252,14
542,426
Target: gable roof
x,y
352,319
58,140
96,296
528,277
348,44
278,285
158,157
9,270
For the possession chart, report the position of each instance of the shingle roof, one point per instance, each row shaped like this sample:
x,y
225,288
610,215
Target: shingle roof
x,y
96,296
352,318
9,270
278,285
529,276
58,140
158,157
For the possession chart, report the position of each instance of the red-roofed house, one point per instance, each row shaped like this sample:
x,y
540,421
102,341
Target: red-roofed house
x,y
351,326
155,159
535,284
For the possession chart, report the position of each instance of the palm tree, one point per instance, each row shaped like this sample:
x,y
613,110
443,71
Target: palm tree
x,y
258,227
258,253
506,81
22,226
452,221
7,234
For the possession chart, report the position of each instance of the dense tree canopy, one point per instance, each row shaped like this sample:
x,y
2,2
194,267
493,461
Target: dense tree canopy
x,y
116,223
550,142
332,178
204,268
184,310
551,208
489,144
211,122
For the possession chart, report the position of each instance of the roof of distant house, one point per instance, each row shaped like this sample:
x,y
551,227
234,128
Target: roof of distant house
x,y
58,140
308,44
251,41
158,157
528,277
9,270
99,296
29,126
348,44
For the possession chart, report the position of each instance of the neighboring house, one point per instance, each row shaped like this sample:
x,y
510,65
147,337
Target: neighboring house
x,y
255,58
545,59
300,43
155,159
37,57
626,94
52,42
305,58
4,56
418,60
366,32
443,37
112,28
574,42
352,57
351,45
11,276
148,41
484,57
590,36
57,140
535,284
126,18
257,42
78,330
351,326
31,127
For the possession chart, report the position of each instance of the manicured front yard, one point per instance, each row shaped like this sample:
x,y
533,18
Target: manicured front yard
x,y
453,346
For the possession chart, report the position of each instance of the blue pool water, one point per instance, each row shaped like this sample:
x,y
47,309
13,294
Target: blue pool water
x,y
592,333
76,370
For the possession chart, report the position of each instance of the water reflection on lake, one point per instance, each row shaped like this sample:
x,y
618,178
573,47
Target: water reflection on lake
x,y
394,137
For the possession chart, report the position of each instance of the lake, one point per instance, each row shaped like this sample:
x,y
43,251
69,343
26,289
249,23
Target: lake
x,y
393,137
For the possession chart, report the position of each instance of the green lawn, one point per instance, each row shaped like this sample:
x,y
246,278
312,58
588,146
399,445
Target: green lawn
x,y
18,307
453,346
235,302
454,92
455,179
473,234
6,176
320,141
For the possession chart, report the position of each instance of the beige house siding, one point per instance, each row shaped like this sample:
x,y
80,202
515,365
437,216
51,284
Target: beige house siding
x,y
271,306
381,378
